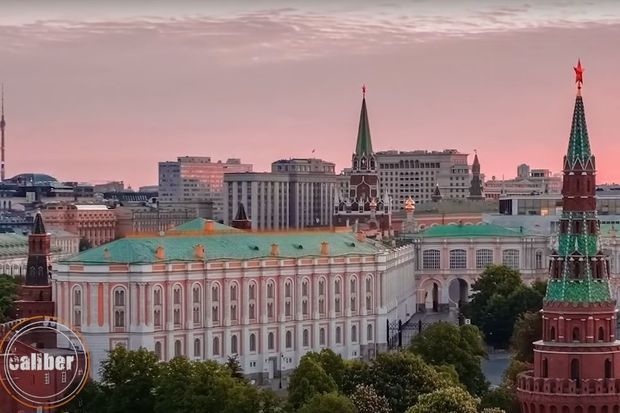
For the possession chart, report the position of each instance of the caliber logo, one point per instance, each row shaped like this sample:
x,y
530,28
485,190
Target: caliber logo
x,y
45,364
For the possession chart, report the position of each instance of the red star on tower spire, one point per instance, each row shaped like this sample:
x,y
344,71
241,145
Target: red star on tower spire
x,y
578,74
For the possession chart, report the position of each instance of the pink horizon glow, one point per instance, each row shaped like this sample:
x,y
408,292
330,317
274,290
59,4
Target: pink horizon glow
x,y
108,97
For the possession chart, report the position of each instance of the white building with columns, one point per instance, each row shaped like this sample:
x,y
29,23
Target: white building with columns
x,y
449,259
267,298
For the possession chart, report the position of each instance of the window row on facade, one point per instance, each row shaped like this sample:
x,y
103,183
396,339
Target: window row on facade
x,y
431,259
234,345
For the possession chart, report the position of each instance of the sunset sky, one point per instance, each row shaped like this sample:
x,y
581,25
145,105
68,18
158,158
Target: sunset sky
x,y
103,90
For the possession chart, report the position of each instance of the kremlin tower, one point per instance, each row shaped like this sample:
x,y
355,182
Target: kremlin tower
x,y
577,362
364,207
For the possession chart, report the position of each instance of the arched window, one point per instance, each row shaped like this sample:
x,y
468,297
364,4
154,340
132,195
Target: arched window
x,y
338,335
233,292
337,286
289,339
306,338
216,346
353,295
215,293
552,333
233,344
322,336
252,342
157,296
119,308
287,299
484,258
77,306
270,289
197,347
252,291
353,334
157,318
177,348
177,295
431,259
270,341
158,350
196,294
574,370
576,334
601,334
458,259
177,317
369,332
545,368
510,258
608,369
539,260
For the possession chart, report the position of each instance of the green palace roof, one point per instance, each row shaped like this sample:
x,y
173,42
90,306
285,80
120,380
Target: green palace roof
x,y
225,246
15,245
471,231
198,224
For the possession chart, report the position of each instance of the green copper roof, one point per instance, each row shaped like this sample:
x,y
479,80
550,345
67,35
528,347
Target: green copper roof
x,y
579,144
198,224
471,231
364,144
223,246
578,291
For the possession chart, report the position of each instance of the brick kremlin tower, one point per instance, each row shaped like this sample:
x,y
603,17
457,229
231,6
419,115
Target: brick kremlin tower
x,y
577,362
364,205
36,292
475,190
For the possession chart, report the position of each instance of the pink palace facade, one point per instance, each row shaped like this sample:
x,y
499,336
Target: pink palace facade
x,y
267,298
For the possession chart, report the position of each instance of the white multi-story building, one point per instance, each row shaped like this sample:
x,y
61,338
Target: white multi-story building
x,y
267,298
417,173
527,182
196,182
297,193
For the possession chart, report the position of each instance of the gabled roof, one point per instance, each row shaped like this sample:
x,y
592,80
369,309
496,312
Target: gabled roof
x,y
198,224
224,246
471,231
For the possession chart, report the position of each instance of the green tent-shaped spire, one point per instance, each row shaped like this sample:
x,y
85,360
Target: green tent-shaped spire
x,y
579,143
364,144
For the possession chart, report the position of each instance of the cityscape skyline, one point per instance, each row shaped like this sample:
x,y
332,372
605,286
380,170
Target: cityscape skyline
x,y
296,91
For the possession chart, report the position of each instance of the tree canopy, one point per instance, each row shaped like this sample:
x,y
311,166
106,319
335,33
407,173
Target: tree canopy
x,y
528,328
449,399
328,403
499,296
9,287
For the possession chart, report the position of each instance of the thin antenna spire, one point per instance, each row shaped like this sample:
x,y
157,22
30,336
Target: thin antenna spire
x,y
364,91
2,125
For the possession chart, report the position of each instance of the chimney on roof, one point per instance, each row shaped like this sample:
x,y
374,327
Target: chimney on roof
x,y
209,226
275,250
324,248
106,254
160,253
199,251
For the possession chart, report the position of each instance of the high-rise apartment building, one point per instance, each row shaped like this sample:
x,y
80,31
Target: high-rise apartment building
x,y
418,173
297,193
196,182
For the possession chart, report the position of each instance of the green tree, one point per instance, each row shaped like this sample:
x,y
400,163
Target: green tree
x,y
462,347
174,388
308,379
501,398
450,399
498,297
9,287
235,368
128,380
332,364
401,377
528,328
366,400
328,403
88,400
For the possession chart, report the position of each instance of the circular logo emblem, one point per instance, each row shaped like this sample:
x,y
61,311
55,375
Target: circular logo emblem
x,y
44,363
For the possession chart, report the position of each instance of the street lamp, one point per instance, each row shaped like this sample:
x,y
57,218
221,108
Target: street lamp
x,y
281,360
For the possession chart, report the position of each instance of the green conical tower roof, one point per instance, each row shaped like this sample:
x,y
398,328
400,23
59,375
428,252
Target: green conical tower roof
x,y
579,269
579,143
364,143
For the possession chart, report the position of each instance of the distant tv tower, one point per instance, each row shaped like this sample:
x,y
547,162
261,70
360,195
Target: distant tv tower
x,y
2,125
